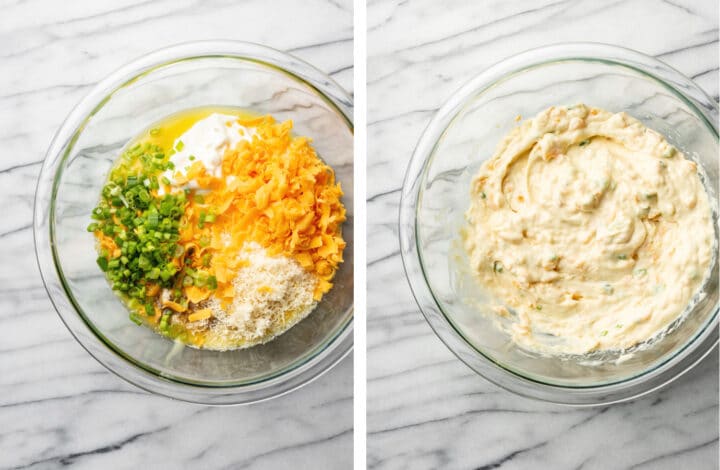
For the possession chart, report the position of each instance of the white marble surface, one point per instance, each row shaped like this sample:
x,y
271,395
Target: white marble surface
x,y
58,406
425,408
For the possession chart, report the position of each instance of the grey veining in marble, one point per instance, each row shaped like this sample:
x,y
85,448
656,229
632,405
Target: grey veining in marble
x,y
58,406
425,408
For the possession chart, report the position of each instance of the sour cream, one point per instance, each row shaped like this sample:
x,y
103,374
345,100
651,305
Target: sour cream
x,y
206,142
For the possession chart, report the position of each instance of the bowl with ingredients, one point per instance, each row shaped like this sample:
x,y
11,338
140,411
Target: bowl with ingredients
x,y
193,222
558,224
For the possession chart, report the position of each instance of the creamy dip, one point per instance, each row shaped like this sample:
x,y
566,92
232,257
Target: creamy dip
x,y
589,230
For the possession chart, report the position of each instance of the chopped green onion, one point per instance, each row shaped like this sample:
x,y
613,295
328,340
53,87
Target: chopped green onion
x,y
165,319
144,227
153,220
180,145
135,318
154,131
103,263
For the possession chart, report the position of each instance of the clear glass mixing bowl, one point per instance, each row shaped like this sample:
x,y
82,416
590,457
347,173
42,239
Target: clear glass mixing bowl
x,y
191,75
436,191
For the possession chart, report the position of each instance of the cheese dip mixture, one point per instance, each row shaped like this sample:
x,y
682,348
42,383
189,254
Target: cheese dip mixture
x,y
590,230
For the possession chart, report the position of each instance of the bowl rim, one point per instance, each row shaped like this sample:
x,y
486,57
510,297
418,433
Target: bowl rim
x,y
297,374
664,372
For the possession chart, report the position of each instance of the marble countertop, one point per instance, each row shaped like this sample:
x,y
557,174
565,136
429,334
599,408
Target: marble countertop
x,y
425,408
58,406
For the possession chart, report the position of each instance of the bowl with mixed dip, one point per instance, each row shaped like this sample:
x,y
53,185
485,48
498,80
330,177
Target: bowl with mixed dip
x,y
193,222
558,224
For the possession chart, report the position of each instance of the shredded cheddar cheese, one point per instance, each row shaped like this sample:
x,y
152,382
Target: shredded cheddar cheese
x,y
198,315
275,191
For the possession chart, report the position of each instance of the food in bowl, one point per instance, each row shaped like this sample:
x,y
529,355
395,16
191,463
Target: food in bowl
x,y
590,231
219,228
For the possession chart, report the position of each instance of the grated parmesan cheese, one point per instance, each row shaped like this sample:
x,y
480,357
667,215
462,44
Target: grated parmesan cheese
x,y
272,293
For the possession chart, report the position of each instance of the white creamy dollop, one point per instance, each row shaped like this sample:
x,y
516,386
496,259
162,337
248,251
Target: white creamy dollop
x,y
206,141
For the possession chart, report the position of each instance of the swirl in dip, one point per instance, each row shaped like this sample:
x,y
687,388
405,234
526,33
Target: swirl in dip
x,y
590,231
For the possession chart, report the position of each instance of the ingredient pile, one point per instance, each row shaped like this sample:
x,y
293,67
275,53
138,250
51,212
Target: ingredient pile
x,y
219,229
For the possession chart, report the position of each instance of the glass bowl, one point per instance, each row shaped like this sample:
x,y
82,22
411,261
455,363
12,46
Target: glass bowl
x,y
436,191
218,73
